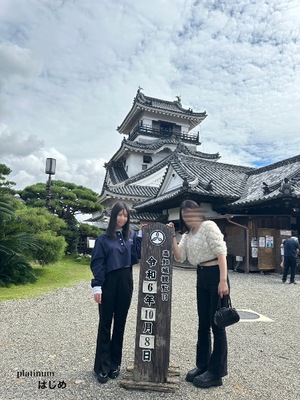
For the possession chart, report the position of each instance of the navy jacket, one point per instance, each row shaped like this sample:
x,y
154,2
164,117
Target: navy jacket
x,y
111,253
290,248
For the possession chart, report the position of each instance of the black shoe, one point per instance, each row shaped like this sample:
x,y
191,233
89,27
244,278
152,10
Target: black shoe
x,y
207,380
191,375
102,378
295,283
283,281
113,374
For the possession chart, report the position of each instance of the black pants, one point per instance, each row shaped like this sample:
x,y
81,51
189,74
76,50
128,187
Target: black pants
x,y
116,299
289,262
213,359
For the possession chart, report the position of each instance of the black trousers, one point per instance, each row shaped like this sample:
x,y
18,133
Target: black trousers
x,y
289,262
211,358
116,298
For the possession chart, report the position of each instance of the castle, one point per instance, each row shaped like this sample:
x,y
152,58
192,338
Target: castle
x,y
158,165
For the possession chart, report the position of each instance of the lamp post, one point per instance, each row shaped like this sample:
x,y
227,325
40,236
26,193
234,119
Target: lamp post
x,y
50,170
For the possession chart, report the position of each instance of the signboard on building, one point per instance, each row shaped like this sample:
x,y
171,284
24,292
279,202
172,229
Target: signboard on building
x,y
283,232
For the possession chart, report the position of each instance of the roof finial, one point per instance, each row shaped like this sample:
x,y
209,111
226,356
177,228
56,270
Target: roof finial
x,y
140,88
266,188
286,187
178,98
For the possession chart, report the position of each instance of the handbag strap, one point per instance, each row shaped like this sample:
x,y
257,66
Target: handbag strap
x,y
227,302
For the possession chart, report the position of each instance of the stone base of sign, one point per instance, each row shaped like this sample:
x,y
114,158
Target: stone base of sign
x,y
170,386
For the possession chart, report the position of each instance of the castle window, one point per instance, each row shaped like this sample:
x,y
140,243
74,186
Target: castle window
x,y
147,159
144,167
166,128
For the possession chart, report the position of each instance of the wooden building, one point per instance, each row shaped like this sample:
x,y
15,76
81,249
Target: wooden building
x,y
158,165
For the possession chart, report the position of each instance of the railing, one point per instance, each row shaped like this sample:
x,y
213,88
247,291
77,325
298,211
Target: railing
x,y
163,132
149,131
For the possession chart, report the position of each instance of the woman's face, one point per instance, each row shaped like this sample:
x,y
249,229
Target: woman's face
x,y
122,218
192,217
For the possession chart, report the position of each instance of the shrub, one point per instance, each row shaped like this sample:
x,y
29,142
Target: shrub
x,y
52,248
14,269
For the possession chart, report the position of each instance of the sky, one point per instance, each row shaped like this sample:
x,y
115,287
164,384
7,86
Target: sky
x,y
70,69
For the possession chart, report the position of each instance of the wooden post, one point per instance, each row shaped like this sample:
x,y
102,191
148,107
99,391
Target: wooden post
x,y
153,329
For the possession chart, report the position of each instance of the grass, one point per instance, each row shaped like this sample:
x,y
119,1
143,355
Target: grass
x,y
49,278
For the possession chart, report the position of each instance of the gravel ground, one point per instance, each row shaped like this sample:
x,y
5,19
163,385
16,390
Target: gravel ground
x,y
56,333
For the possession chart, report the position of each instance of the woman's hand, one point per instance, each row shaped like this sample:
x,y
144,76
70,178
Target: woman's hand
x,y
98,297
97,290
223,289
171,225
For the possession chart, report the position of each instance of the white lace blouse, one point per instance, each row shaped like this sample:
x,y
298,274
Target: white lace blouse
x,y
206,244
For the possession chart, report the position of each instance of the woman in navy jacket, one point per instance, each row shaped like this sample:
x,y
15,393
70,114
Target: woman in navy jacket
x,y
113,256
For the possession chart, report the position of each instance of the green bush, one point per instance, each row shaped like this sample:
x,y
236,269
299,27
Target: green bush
x,y
71,236
89,230
52,248
14,246
14,269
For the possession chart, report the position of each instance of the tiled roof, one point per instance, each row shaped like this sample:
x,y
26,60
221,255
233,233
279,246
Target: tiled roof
x,y
272,176
117,172
134,216
132,191
155,145
194,156
150,145
208,156
226,180
145,216
159,104
215,180
174,108
156,200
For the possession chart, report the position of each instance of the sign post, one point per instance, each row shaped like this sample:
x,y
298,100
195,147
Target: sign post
x,y
151,370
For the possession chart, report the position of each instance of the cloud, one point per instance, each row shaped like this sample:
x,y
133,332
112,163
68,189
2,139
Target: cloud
x,y
16,61
243,58
71,70
13,144
30,169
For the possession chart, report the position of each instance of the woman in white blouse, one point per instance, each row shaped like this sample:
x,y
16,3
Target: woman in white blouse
x,y
202,244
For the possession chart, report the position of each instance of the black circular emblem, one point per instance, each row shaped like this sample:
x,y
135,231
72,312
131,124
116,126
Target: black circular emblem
x,y
157,237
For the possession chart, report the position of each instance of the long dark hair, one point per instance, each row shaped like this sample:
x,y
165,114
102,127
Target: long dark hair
x,y
111,229
187,205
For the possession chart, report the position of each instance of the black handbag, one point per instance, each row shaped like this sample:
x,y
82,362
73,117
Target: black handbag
x,y
225,316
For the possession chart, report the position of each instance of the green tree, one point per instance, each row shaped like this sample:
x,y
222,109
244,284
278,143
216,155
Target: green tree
x,y
85,231
67,200
35,220
46,227
52,249
89,230
5,185
14,265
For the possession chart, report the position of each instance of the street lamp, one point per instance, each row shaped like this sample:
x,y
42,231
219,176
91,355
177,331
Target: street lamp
x,y
50,170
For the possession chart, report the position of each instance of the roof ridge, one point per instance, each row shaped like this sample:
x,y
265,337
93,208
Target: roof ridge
x,y
141,98
177,102
233,166
276,164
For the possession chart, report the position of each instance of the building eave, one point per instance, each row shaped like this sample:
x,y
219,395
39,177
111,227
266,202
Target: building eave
x,y
142,103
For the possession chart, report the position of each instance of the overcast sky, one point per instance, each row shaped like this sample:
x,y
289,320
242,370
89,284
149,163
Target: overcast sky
x,y
69,70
